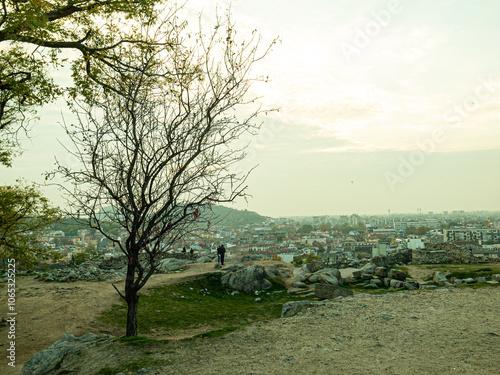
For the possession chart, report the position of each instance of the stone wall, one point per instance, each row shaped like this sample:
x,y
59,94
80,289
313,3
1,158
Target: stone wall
x,y
443,253
389,260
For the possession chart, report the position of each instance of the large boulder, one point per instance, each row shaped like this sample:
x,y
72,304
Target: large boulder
x,y
439,278
369,268
332,271
381,272
204,259
397,274
171,264
249,279
48,361
328,291
327,278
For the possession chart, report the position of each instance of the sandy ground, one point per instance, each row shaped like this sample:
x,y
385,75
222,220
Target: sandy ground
x,y
419,332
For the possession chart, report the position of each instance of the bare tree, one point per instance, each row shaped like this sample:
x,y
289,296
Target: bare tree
x,y
158,148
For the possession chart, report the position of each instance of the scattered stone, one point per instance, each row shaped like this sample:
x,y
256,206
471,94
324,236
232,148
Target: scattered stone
x,y
171,264
469,280
495,277
326,278
381,272
294,307
396,283
369,268
299,284
439,278
204,259
480,280
397,274
328,291
357,274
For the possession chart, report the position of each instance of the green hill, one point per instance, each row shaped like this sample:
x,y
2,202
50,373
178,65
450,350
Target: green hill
x,y
230,217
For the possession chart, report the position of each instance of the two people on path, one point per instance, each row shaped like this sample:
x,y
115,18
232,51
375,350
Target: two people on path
x,y
221,250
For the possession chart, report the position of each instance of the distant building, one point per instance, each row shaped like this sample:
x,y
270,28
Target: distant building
x,y
476,235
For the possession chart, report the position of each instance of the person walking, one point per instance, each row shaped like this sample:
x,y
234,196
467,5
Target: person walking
x,y
221,250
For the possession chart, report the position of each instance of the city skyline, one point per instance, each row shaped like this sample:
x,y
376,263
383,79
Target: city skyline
x,y
383,105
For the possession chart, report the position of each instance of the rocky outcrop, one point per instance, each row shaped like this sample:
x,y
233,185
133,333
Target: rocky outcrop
x,y
171,264
373,277
109,269
48,361
249,279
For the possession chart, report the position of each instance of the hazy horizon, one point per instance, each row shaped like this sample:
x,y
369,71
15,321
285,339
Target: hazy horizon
x,y
384,105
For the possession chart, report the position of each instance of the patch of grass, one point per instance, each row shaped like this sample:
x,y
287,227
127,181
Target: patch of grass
x,y
217,332
201,302
131,366
478,285
139,340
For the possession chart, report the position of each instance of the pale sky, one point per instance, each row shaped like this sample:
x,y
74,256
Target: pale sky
x,y
383,105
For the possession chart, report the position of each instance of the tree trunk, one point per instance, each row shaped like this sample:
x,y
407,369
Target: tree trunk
x,y
132,302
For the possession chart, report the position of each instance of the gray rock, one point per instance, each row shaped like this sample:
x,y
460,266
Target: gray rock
x,y
171,264
376,282
326,278
427,286
357,274
314,278
232,267
299,284
302,270
293,308
469,280
397,274
249,279
480,280
439,278
410,286
414,284
396,283
328,291
48,361
387,281
332,271
381,272
369,268
495,277
204,259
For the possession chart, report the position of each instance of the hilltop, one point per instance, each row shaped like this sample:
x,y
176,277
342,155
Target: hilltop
x,y
411,332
